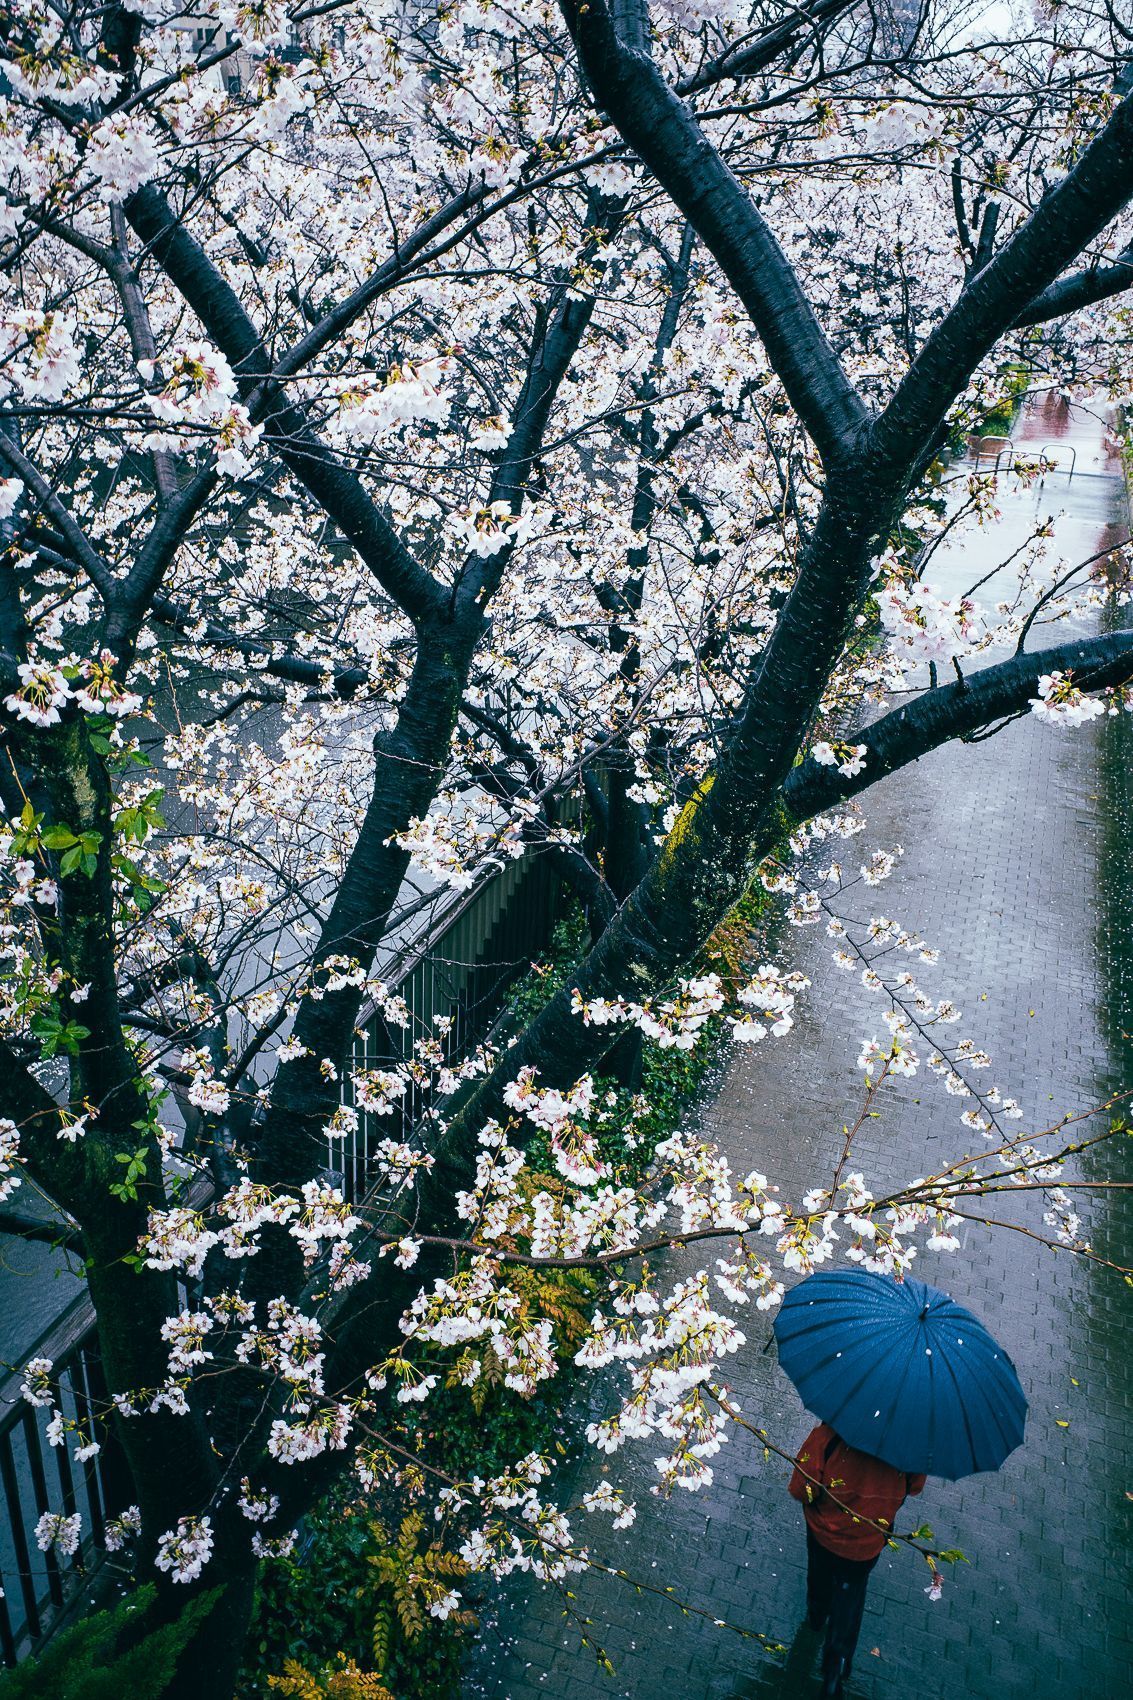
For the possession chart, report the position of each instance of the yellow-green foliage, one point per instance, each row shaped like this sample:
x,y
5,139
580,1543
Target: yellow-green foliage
x,y
412,1578
341,1680
562,1297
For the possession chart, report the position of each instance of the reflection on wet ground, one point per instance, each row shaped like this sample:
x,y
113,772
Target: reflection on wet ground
x,y
1018,866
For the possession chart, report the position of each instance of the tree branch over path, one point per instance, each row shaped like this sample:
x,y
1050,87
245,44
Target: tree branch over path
x,y
954,711
727,827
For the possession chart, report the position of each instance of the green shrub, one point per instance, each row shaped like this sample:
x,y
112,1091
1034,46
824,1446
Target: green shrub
x,y
87,1661
347,1614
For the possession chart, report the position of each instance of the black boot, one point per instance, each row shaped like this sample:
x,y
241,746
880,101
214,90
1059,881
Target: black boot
x,y
833,1672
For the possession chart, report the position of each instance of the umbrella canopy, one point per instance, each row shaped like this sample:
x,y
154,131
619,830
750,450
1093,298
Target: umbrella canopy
x,y
901,1372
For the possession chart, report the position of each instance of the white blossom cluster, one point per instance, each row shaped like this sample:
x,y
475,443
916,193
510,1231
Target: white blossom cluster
x,y
123,154
38,354
121,1530
183,1552
56,1531
194,391
923,625
678,1022
1061,703
408,394
60,1427
44,689
10,1176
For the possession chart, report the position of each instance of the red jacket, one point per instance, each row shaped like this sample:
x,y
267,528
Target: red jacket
x,y
864,1484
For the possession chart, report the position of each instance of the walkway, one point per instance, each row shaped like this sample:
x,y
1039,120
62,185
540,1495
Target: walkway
x,y
1018,865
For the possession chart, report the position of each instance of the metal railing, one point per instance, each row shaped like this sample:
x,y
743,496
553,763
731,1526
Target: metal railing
x,y
1052,465
1000,445
36,1477
480,948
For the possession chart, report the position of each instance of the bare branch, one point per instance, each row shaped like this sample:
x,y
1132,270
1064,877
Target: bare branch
x,y
663,132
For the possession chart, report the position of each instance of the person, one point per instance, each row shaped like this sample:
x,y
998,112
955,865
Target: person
x,y
839,1488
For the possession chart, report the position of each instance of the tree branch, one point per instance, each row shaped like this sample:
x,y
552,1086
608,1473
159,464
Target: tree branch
x,y
952,711
1072,214
295,669
335,489
135,594
1080,289
665,135
552,351
80,545
340,318
739,61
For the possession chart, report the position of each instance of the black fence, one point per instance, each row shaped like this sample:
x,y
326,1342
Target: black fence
x,y
38,1478
481,947
463,972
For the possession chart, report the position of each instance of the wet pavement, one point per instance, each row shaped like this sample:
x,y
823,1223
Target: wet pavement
x,y
1019,866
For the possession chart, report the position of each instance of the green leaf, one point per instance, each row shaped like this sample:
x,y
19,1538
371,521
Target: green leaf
x,y
55,1035
58,837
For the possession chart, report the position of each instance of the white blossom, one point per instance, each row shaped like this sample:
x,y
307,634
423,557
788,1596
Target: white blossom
x,y
56,1530
185,1551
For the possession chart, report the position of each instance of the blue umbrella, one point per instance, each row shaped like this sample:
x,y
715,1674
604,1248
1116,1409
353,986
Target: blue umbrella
x,y
901,1372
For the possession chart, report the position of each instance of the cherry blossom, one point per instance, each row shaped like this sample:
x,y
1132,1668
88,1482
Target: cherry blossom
x,y
1061,703
10,1177
123,155
42,692
59,1532
183,1552
121,1530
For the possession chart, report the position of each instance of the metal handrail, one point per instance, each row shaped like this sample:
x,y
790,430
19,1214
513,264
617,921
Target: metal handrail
x,y
1053,465
1005,443
464,973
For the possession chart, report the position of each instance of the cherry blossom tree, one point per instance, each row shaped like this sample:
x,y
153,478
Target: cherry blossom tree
x,y
423,426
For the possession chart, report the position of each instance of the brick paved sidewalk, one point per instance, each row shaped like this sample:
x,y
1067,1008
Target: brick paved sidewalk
x,y
1018,865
